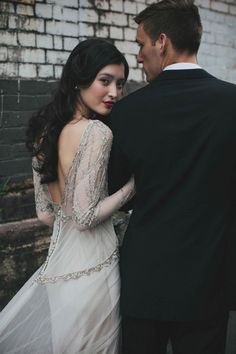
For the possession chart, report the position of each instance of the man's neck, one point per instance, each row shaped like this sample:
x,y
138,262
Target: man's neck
x,y
183,58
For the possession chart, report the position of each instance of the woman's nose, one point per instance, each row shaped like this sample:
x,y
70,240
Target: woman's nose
x,y
113,91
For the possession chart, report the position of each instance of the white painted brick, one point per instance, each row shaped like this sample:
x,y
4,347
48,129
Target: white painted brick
x,y
135,75
26,10
102,4
62,28
112,18
224,40
27,70
82,38
140,7
44,41
87,15
142,1
3,20
232,10
14,54
3,53
130,7
127,47
8,38
203,3
65,14
57,57
70,43
230,20
86,29
8,70
13,21
45,71
86,3
219,17
69,3
208,37
28,24
130,34
101,31
132,23
6,7
132,60
58,44
219,28
207,26
116,32
116,5
219,6
27,39
43,10
203,14
58,71
32,55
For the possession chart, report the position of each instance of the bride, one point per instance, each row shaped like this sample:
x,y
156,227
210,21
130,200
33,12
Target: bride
x,y
71,304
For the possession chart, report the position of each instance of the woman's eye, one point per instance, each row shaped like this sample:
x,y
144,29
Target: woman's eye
x,y
120,84
105,82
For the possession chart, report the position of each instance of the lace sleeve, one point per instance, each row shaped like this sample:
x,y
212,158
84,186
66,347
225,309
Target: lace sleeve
x,y
43,203
91,205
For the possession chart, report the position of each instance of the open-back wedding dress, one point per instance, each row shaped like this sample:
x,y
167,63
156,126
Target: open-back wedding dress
x,y
71,304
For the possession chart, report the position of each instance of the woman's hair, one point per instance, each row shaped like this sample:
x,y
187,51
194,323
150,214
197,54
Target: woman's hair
x,y
179,19
45,126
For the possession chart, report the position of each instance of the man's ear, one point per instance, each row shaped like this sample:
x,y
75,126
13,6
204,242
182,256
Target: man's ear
x,y
162,42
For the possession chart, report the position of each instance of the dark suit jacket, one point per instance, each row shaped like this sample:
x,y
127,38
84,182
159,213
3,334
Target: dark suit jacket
x,y
177,136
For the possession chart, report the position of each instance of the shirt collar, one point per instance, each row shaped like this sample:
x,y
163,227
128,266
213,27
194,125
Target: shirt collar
x,y
182,66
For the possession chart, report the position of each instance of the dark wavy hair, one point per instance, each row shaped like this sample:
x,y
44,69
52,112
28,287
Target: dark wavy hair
x,y
179,19
45,126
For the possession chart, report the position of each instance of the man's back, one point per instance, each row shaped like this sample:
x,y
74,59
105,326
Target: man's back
x,y
177,136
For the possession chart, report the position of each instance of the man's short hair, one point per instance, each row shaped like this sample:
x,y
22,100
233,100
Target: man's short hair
x,y
178,19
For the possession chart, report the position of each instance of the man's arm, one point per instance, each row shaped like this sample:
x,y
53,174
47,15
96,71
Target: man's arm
x,y
119,169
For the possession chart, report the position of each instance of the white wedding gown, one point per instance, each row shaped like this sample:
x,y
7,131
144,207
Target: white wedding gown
x,y
71,304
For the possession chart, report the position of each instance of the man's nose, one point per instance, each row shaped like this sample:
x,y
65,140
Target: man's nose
x,y
139,58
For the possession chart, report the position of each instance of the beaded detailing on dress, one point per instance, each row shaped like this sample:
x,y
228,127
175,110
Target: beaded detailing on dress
x,y
76,275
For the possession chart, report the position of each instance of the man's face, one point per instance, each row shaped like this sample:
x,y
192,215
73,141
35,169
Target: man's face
x,y
149,54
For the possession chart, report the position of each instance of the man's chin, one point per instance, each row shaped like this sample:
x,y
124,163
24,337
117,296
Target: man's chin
x,y
148,77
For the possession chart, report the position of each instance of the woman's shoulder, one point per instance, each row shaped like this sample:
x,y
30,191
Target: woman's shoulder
x,y
73,133
101,128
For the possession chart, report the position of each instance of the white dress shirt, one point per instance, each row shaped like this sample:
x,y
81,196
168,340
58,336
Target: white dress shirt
x,y
182,66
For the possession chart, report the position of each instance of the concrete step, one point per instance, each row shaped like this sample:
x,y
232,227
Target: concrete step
x,y
23,248
17,205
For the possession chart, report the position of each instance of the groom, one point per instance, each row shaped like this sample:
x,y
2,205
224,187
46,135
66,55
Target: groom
x,y
177,136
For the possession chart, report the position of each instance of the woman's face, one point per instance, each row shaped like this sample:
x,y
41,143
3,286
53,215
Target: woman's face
x,y
105,90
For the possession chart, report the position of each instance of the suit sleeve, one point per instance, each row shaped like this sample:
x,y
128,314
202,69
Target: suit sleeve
x,y
119,168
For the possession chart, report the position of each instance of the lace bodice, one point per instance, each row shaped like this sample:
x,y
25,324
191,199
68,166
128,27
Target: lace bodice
x,y
85,199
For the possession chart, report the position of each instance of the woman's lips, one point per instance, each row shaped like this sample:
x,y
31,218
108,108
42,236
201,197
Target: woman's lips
x,y
109,104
